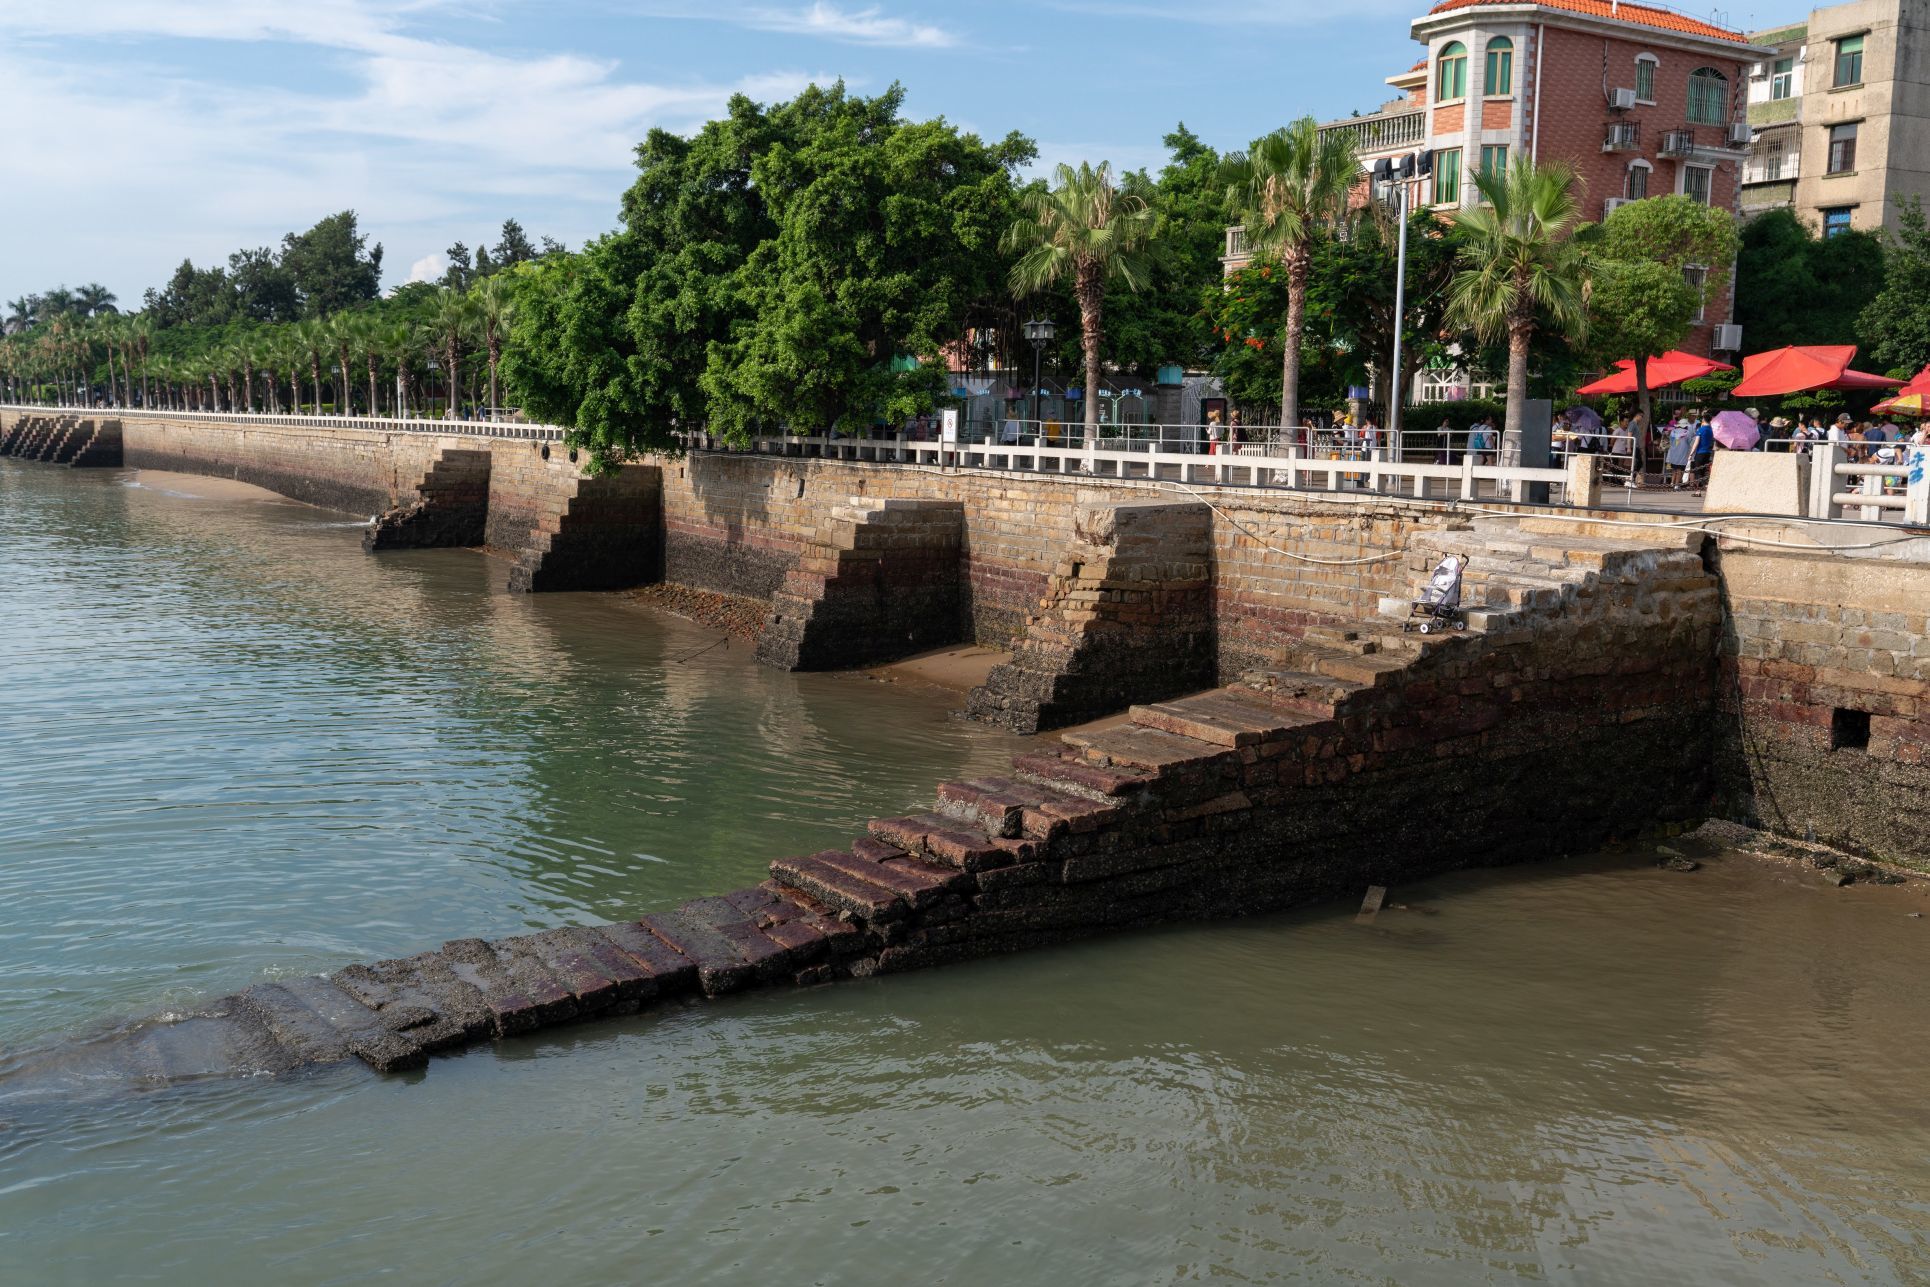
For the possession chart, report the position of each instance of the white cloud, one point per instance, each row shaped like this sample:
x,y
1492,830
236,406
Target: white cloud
x,y
428,140
853,26
429,268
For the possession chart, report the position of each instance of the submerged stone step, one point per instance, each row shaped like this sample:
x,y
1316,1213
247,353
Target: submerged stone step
x,y
671,972
721,968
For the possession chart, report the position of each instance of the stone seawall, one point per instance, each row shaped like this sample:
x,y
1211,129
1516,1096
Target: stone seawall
x,y
1404,757
1825,727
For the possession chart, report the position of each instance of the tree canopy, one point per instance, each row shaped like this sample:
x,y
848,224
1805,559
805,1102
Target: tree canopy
x,y
1794,287
1896,324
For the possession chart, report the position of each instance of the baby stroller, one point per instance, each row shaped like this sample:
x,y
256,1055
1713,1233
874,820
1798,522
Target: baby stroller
x,y
1439,607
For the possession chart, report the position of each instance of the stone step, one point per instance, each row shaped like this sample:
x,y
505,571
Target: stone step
x,y
721,967
1073,775
420,998
1369,671
827,882
519,994
670,970
367,1039
918,882
1222,717
1007,807
768,959
1134,747
951,842
807,929
1301,692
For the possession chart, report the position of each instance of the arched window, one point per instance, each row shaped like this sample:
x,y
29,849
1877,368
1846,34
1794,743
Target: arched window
x,y
1637,186
1451,78
1501,67
1645,65
1708,97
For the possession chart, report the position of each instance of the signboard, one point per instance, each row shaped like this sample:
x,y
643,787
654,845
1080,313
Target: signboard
x,y
948,426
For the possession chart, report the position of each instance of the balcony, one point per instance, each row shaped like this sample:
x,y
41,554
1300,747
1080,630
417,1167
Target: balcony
x,y
1236,244
1384,133
1622,136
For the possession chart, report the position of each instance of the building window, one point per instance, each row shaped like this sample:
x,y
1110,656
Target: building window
x,y
1637,186
1645,78
1451,80
1698,278
1501,66
1842,149
1849,60
1695,182
1447,176
1782,81
1836,220
1494,161
1708,97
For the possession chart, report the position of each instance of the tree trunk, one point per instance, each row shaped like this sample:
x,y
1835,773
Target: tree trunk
x,y
452,381
341,355
1519,335
1092,293
495,356
1299,270
315,378
373,405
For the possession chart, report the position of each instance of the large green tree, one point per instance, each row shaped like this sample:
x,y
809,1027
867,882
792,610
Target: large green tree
x,y
884,234
332,265
1286,188
1794,287
1896,325
1520,269
1642,301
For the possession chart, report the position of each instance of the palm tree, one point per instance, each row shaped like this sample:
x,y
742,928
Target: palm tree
x,y
312,334
495,305
449,317
1086,228
399,341
94,300
143,338
1519,265
343,337
1285,189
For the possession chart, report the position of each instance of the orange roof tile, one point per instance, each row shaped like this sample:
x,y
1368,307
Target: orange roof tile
x,y
1640,14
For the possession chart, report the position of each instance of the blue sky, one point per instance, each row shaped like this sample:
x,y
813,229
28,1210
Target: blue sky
x,y
138,132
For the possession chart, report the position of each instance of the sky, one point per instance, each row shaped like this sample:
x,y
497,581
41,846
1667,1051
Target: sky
x,y
137,133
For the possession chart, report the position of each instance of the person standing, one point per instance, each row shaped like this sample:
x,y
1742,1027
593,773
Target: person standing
x,y
1703,452
1213,432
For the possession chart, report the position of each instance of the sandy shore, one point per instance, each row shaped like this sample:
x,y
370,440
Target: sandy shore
x,y
960,668
200,487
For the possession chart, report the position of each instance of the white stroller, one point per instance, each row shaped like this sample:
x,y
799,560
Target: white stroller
x,y
1439,607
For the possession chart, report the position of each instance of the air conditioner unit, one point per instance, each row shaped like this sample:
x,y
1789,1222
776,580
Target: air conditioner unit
x,y
1612,204
1678,143
1758,71
1740,134
1728,338
1622,100
1623,136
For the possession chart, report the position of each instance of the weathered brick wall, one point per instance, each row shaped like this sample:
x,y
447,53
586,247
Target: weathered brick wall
x,y
878,581
355,470
1826,700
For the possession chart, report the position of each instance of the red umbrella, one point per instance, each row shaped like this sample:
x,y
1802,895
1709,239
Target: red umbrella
x,y
1669,369
1801,369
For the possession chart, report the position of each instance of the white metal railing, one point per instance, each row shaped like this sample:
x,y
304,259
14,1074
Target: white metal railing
x,y
384,424
1372,133
1876,492
1248,465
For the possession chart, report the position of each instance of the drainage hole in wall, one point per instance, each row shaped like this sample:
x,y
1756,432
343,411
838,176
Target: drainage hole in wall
x,y
572,455
1849,730
546,451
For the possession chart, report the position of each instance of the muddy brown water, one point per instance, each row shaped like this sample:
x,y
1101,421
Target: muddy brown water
x,y
235,747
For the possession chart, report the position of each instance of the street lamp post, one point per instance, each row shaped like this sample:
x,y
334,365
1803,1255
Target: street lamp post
x,y
1040,333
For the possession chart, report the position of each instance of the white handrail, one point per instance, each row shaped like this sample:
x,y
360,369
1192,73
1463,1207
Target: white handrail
x,y
465,428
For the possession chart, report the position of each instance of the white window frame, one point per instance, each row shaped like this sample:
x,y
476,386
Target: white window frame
x,y
1682,181
1655,67
1648,173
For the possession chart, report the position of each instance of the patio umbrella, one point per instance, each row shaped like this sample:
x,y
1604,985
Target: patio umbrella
x,y
1735,430
1905,403
1671,368
1800,369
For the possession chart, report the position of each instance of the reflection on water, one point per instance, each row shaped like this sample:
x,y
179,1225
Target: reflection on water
x,y
1590,1072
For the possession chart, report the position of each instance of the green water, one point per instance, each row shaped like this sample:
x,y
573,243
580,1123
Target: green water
x,y
232,746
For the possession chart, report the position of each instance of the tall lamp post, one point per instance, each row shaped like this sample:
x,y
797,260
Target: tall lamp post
x,y
1040,333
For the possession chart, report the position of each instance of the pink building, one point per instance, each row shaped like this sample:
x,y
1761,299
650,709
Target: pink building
x,y
1641,100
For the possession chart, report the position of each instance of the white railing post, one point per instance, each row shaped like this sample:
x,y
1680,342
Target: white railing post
x,y
1467,475
1916,488
1825,456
